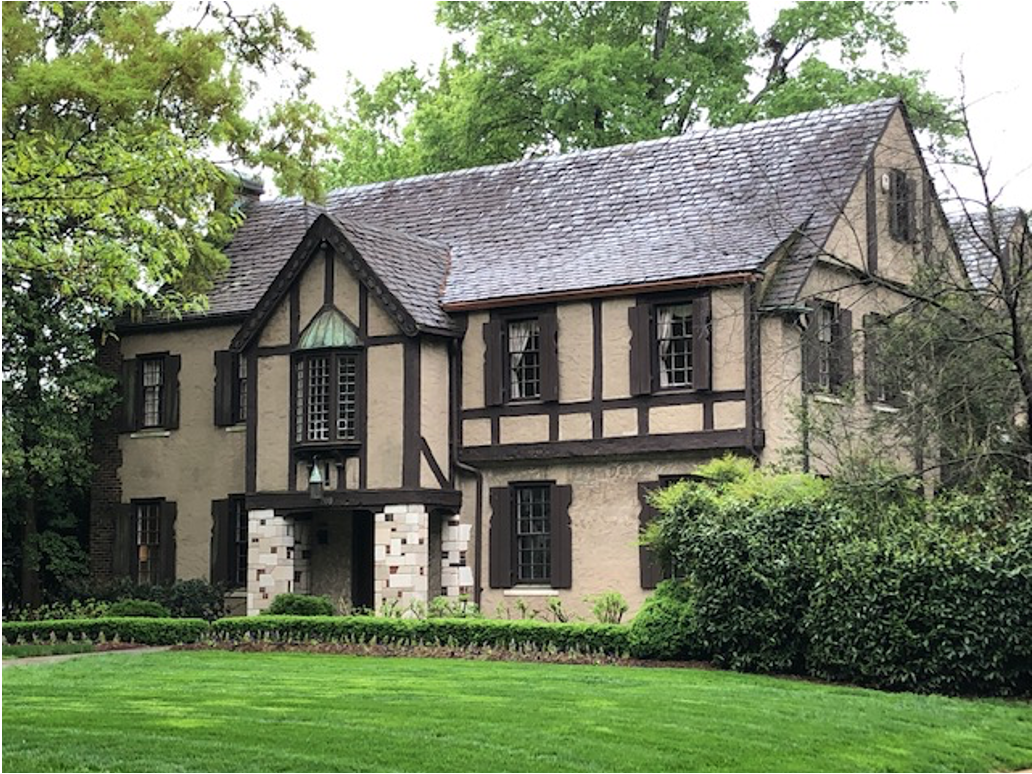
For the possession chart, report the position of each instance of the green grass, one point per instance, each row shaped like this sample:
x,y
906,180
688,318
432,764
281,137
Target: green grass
x,y
222,711
46,649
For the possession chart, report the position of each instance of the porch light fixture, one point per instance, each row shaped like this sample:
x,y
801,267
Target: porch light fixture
x,y
315,481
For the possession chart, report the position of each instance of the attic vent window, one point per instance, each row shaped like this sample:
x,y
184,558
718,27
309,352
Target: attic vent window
x,y
329,330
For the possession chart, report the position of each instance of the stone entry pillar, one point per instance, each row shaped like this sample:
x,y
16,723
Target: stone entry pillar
x,y
277,558
401,535
456,575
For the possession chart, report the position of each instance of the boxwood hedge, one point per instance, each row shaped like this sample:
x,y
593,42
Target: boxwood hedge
x,y
144,631
607,639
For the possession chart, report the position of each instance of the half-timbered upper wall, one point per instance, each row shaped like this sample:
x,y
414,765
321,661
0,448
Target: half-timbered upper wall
x,y
595,398
194,463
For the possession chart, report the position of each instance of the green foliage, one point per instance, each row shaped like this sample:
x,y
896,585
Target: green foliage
x,y
77,608
193,598
664,628
808,578
47,649
458,607
458,632
142,631
608,607
527,78
300,604
137,608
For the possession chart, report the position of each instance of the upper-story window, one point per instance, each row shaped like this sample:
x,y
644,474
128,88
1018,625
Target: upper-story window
x,y
523,351
670,345
828,348
326,368
674,344
150,392
902,220
521,357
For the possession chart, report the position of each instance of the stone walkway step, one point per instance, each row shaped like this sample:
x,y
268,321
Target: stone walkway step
x,y
34,660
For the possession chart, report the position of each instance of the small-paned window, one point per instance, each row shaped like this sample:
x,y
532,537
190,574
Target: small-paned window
x,y
674,345
825,346
148,543
326,398
533,534
524,355
153,392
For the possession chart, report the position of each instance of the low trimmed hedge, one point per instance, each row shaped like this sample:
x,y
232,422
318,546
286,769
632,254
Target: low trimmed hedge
x,y
144,631
300,604
607,639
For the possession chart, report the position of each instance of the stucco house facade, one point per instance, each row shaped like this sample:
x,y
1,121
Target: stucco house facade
x,y
466,383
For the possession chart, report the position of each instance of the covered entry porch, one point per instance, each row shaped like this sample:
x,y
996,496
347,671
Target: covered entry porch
x,y
394,557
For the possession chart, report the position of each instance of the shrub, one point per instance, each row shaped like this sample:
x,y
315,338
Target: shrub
x,y
609,607
137,608
143,631
193,598
76,608
664,628
300,604
459,607
455,632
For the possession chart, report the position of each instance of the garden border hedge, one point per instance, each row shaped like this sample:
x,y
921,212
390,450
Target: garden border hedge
x,y
144,631
607,639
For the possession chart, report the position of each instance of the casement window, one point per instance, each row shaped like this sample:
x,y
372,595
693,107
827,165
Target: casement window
x,y
902,205
881,381
325,397
145,547
521,357
531,537
229,542
231,385
150,393
670,345
828,348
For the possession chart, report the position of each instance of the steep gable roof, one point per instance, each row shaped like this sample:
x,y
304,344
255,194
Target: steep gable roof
x,y
706,203
973,233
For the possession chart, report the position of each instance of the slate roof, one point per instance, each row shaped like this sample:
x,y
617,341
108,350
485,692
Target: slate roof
x,y
973,234
705,203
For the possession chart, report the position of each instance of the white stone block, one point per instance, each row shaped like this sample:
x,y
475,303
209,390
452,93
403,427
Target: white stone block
x,y
379,553
396,509
465,576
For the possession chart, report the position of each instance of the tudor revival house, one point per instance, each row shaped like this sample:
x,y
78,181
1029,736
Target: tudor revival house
x,y
465,383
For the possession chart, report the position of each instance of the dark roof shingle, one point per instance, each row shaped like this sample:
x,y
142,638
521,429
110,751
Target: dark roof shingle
x,y
973,233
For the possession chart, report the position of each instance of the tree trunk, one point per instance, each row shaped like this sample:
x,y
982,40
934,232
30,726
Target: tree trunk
x,y
30,590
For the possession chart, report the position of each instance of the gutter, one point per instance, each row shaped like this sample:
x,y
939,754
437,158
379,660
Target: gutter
x,y
478,523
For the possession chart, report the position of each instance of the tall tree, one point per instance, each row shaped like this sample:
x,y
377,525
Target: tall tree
x,y
528,78
112,116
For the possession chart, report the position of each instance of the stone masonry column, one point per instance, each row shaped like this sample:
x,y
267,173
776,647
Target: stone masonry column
x,y
400,554
456,575
271,554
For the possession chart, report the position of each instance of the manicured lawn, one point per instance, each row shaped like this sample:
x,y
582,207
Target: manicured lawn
x,y
46,649
218,711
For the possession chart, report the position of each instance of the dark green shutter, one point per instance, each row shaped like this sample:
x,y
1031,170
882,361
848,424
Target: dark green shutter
x,y
494,368
171,379
701,344
842,339
649,566
640,320
549,330
225,388
123,558
561,536
871,375
129,417
167,542
502,532
221,541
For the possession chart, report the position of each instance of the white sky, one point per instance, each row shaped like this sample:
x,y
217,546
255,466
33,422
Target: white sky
x,y
989,38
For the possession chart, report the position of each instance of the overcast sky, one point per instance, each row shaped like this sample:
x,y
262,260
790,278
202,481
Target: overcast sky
x,y
989,39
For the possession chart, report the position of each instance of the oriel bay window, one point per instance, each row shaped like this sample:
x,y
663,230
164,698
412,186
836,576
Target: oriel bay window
x,y
326,369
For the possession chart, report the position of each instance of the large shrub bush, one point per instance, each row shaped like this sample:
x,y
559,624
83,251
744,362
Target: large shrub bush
x,y
788,573
137,608
193,598
664,628
143,631
608,639
300,604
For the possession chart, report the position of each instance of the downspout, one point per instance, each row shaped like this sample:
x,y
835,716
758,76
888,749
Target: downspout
x,y
455,389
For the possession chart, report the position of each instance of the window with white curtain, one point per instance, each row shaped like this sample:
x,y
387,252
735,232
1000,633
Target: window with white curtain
x,y
674,343
524,351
